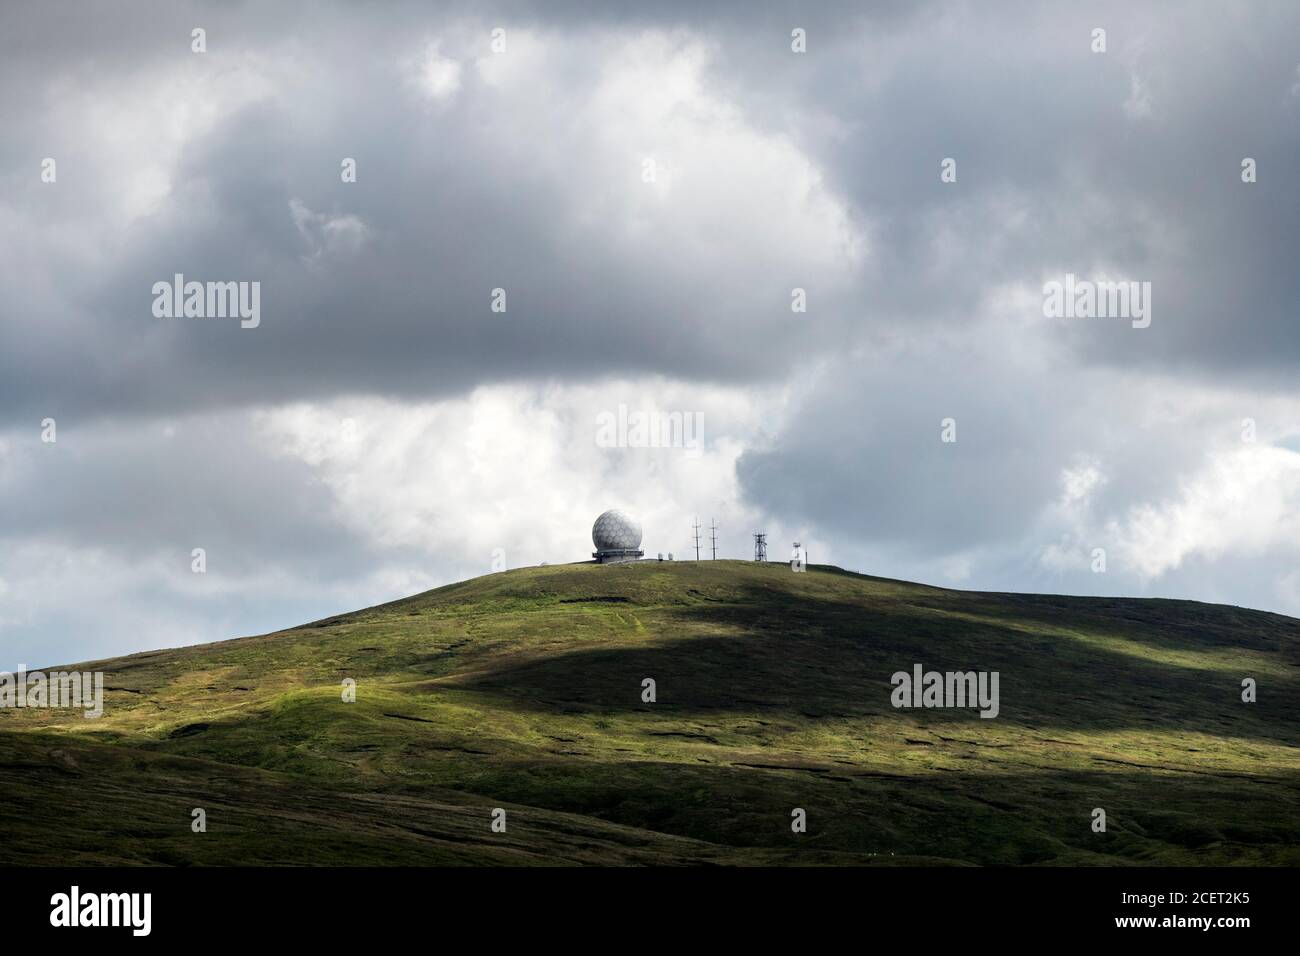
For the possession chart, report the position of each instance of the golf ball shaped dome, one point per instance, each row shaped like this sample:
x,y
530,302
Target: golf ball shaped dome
x,y
616,531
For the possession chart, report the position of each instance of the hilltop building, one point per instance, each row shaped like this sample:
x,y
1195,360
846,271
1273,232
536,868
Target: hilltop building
x,y
617,537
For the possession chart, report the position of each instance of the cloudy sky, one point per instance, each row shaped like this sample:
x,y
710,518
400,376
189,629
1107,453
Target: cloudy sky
x,y
648,184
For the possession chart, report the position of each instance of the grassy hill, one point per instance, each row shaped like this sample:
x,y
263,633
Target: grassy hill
x,y
522,690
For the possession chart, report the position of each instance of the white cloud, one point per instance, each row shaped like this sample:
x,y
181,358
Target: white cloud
x,y
1138,104
328,235
126,138
435,75
516,467
1244,502
726,192
1078,482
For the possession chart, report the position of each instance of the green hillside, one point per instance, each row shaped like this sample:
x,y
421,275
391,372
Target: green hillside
x,y
522,690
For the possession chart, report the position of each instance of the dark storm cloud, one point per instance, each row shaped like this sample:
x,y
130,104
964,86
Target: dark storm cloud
x,y
1055,175
161,482
1127,162
864,459
454,199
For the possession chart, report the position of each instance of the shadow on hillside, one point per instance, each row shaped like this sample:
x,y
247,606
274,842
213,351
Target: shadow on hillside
x,y
1166,624
987,818
835,659
114,804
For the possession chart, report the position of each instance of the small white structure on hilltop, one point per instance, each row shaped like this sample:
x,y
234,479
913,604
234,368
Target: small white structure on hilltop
x,y
617,537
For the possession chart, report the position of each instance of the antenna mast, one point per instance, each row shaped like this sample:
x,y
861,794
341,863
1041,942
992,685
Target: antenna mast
x,y
713,528
696,526
760,547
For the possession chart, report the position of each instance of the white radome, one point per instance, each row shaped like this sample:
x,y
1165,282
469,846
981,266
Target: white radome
x,y
616,531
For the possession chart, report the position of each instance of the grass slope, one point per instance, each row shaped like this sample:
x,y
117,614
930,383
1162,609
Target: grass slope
x,y
522,690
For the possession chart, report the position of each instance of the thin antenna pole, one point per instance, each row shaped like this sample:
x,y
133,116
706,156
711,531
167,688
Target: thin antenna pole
x,y
713,529
696,526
